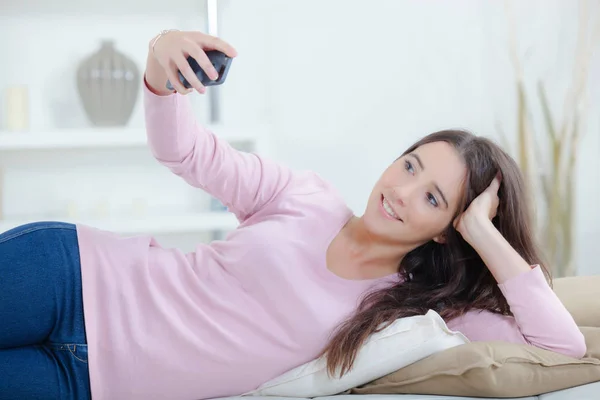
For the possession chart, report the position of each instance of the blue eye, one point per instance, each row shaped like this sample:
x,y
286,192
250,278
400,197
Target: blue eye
x,y
408,166
431,199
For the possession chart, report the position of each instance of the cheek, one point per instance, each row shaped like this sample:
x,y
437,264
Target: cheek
x,y
427,222
394,176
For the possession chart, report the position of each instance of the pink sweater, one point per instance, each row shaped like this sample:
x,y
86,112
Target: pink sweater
x,y
233,314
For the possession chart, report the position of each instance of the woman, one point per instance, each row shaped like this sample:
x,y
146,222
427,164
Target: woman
x,y
446,227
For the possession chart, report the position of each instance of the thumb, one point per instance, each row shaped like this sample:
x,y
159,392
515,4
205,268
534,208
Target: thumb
x,y
495,184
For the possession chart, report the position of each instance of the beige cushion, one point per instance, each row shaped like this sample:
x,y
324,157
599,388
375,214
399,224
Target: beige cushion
x,y
496,369
581,296
493,369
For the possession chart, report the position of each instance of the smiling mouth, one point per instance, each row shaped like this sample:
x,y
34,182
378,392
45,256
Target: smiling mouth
x,y
387,208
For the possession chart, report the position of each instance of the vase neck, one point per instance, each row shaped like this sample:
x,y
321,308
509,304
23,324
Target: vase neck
x,y
107,45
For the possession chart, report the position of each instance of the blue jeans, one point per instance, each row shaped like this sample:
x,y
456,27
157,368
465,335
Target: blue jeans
x,y
43,350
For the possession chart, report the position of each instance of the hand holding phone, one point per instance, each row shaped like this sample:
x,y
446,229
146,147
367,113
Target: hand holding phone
x,y
169,59
219,60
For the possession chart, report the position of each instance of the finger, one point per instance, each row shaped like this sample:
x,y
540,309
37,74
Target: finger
x,y
202,59
174,79
494,207
214,43
495,184
189,75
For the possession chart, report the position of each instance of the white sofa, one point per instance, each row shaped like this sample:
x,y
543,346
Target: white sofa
x,y
585,392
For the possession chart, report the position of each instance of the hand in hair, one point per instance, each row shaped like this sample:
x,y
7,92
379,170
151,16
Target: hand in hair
x,y
481,211
476,227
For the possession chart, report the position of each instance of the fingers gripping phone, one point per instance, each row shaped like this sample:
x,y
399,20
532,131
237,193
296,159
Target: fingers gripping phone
x,y
219,60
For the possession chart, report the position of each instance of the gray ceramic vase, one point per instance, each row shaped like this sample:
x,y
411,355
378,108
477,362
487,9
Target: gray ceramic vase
x,y
108,83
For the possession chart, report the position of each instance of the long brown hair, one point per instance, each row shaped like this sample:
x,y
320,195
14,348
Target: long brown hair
x,y
449,278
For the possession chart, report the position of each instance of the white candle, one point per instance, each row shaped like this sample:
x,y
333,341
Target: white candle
x,y
16,101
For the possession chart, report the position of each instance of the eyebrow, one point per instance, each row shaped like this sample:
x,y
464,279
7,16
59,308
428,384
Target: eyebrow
x,y
416,157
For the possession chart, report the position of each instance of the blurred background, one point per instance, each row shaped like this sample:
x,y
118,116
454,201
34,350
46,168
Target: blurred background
x,y
341,87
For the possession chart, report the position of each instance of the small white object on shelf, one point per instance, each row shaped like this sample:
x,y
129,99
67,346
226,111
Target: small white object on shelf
x,y
16,106
158,224
98,138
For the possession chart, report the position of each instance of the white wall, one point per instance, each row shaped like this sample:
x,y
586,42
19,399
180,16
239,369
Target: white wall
x,y
350,84
346,85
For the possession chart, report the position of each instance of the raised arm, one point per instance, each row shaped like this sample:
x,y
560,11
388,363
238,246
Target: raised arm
x,y
243,182
540,319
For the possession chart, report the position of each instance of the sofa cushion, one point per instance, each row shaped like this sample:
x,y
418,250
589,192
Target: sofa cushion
x,y
581,296
493,369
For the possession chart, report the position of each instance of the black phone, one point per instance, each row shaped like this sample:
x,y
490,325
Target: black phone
x,y
219,60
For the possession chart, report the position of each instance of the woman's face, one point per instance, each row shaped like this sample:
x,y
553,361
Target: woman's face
x,y
417,196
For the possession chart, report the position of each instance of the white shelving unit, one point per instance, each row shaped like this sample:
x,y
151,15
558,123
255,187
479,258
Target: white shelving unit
x,y
72,139
57,144
104,138
64,169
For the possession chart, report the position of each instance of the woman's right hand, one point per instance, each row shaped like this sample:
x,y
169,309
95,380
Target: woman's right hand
x,y
168,55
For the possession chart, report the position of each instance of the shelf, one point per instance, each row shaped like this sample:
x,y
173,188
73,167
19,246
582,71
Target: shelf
x,y
72,139
164,224
100,138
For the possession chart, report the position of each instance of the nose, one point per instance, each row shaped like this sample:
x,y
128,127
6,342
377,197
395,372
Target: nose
x,y
403,194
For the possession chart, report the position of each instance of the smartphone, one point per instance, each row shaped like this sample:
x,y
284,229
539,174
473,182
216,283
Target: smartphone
x,y
219,60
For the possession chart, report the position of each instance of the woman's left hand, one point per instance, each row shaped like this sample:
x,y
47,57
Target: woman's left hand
x,y
480,212
476,227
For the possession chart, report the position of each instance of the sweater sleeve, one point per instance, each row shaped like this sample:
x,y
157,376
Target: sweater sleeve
x,y
539,318
243,182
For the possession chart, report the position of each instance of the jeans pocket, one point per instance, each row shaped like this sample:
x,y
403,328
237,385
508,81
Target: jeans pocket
x,y
78,351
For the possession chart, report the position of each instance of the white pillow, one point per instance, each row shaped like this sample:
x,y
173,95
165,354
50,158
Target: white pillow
x,y
405,341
